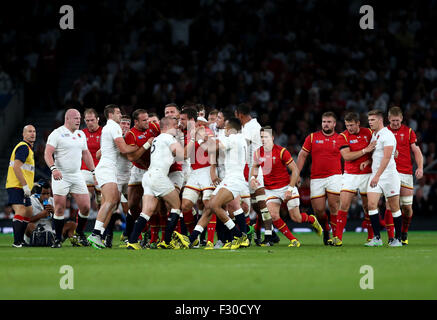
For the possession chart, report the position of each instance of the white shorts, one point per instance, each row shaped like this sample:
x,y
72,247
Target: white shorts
x,y
156,184
355,182
331,184
105,174
177,177
389,184
238,186
260,179
406,181
136,176
88,176
278,196
70,183
200,179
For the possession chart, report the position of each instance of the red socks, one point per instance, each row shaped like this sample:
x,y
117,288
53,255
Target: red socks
x,y
282,226
341,223
307,218
368,225
406,221
211,228
333,222
389,225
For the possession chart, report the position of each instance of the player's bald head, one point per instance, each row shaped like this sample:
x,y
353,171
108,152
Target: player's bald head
x,y
167,122
71,113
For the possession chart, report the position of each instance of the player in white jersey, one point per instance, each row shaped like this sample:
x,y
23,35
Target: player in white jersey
x,y
124,167
384,179
67,144
112,143
233,185
164,152
251,131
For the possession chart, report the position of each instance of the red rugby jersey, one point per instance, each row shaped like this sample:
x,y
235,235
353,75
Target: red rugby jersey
x,y
136,137
356,142
405,137
201,158
93,142
274,166
325,153
177,165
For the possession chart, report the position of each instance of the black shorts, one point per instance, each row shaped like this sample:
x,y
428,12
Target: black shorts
x,y
16,196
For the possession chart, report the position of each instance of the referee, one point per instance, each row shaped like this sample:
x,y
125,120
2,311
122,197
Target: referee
x,y
19,183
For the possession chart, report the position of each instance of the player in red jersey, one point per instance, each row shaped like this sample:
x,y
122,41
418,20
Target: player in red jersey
x,y
142,135
405,144
199,180
93,132
326,174
355,148
279,185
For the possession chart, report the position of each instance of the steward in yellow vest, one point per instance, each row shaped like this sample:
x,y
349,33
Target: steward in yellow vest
x,y
19,183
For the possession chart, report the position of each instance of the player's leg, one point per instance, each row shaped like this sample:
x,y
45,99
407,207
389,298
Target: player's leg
x,y
260,197
83,202
397,219
406,201
345,203
60,202
366,221
173,201
333,204
150,203
274,206
134,195
68,230
372,200
112,197
189,198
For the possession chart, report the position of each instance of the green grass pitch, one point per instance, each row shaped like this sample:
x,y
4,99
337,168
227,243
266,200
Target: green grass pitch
x,y
312,271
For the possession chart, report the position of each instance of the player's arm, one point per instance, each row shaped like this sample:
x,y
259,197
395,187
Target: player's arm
x,y
98,154
48,157
88,159
292,166
178,151
349,155
418,157
123,147
301,159
388,150
43,214
138,153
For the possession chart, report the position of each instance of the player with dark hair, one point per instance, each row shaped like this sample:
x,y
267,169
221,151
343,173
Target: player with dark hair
x,y
235,148
326,173
251,132
275,162
141,135
405,144
112,144
356,149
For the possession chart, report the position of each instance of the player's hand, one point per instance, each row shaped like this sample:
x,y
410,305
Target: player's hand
x,y
57,175
396,153
49,208
374,181
287,196
27,191
298,182
370,147
364,164
254,183
215,181
150,140
419,173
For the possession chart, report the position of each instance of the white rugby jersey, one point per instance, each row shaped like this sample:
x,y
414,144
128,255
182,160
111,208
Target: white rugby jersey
x,y
108,148
251,132
68,149
161,156
37,208
383,138
235,155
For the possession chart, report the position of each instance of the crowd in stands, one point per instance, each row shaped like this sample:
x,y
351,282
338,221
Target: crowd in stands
x,y
291,60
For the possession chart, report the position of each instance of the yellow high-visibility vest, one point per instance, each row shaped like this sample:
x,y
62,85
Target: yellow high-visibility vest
x,y
28,169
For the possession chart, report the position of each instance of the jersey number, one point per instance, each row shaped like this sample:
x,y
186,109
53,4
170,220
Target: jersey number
x,y
153,147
